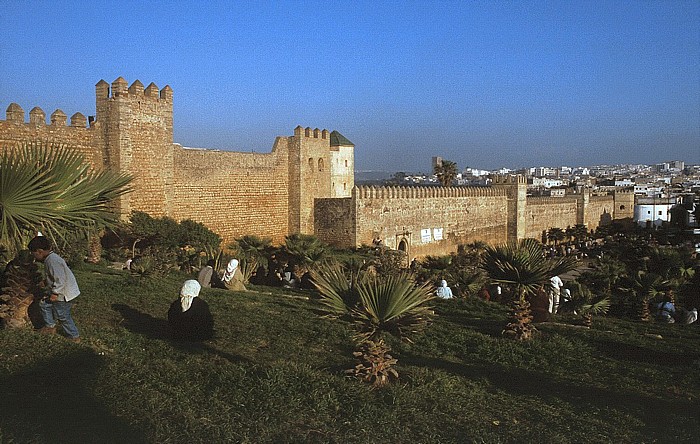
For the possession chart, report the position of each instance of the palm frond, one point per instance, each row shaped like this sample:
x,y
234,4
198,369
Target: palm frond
x,y
523,265
48,187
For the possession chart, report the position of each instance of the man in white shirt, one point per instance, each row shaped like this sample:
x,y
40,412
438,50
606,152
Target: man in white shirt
x,y
555,286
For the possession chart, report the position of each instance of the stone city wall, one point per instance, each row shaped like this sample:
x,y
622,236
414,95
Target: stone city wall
x,y
233,193
543,213
428,220
304,185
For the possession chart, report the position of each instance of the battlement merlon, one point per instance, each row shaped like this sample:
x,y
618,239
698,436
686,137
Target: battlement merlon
x,y
120,88
316,133
37,117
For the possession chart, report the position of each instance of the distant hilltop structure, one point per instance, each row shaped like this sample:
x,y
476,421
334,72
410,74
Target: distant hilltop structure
x,y
305,184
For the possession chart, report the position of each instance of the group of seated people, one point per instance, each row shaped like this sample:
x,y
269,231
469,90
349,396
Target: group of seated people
x,y
667,312
189,317
232,279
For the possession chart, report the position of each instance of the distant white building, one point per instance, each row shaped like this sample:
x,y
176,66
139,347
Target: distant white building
x,y
624,182
546,182
544,171
475,172
649,190
653,210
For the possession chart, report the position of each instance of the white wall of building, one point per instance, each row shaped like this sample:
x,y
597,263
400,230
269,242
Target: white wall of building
x,y
656,213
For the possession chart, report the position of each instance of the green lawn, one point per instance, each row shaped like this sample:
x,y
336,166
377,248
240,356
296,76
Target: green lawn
x,y
274,373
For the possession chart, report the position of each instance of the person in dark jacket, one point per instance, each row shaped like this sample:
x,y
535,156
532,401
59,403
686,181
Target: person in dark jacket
x,y
189,317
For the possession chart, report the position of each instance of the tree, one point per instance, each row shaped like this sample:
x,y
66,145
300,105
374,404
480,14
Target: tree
x,y
303,251
446,172
555,235
47,187
523,268
254,248
376,305
578,232
585,303
642,287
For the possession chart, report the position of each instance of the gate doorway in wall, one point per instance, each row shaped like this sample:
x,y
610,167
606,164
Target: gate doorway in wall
x,y
403,244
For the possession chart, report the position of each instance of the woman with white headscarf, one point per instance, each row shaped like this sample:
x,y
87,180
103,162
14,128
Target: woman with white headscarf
x,y
444,291
233,278
189,317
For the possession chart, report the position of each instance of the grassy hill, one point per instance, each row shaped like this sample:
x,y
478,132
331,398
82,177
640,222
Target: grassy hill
x,y
274,373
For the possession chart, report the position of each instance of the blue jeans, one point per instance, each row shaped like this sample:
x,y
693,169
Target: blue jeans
x,y
59,310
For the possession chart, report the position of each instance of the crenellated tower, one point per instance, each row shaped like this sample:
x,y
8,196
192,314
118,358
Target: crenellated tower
x,y
136,127
314,155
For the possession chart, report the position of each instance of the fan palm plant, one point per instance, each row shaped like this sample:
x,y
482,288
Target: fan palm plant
x,y
604,275
376,306
644,286
254,248
585,303
304,251
523,267
48,187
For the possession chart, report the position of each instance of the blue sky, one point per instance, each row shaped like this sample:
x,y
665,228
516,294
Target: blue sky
x,y
486,84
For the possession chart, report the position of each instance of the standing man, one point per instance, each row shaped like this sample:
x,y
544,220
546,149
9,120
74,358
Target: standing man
x,y
556,285
61,286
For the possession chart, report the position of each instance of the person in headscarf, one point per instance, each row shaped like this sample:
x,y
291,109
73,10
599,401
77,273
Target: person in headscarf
x,y
189,317
444,291
206,273
208,278
233,278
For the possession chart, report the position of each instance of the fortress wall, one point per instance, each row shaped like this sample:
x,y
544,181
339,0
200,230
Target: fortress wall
x,y
463,215
543,213
82,138
624,205
309,175
335,221
599,211
233,193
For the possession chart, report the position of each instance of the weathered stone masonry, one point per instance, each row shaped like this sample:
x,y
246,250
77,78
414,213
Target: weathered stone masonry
x,y
304,185
233,193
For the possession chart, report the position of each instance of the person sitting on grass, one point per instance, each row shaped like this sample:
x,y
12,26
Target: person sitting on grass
x,y
666,309
189,318
233,278
444,291
208,278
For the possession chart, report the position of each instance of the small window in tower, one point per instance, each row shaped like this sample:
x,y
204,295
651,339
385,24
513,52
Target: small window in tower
x,y
346,163
345,186
311,164
622,207
320,164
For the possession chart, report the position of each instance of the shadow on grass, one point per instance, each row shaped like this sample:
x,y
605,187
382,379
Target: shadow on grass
x,y
157,328
490,327
53,401
656,413
634,353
